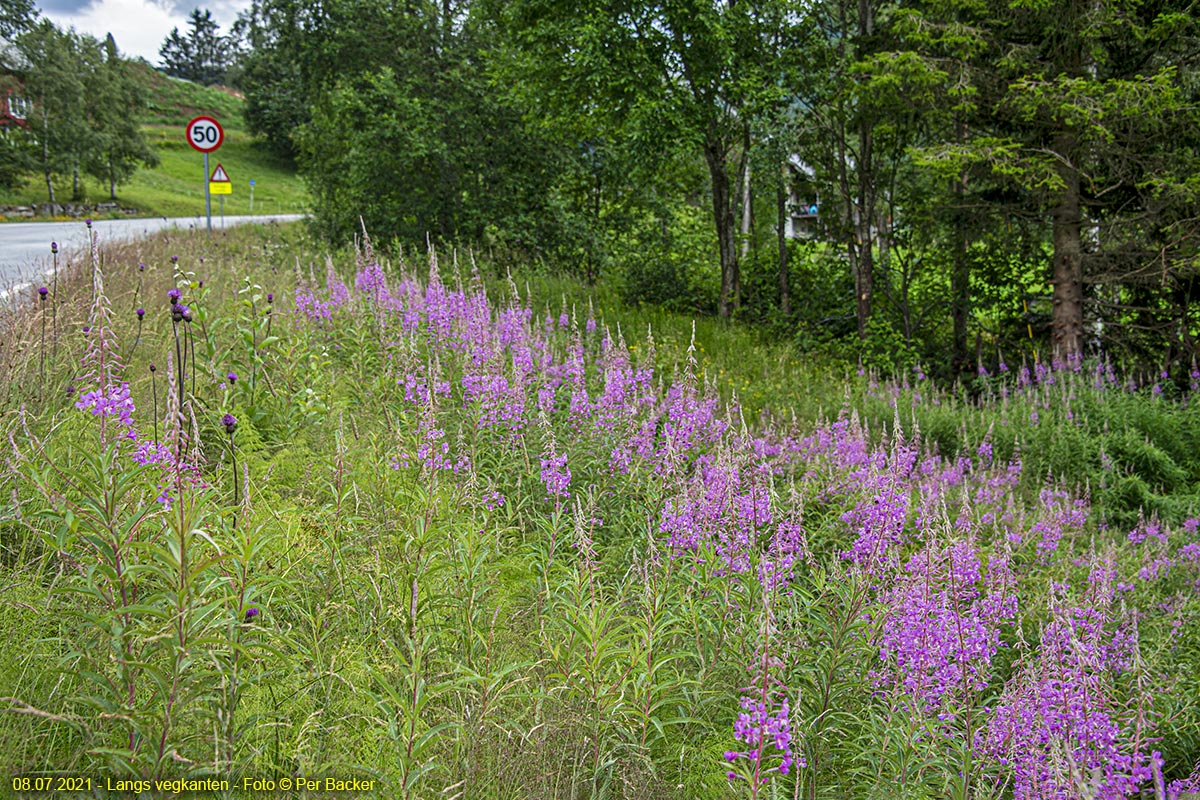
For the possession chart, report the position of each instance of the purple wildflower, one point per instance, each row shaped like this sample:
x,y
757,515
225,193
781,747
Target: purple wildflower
x,y
141,312
230,423
232,377
43,291
556,475
251,613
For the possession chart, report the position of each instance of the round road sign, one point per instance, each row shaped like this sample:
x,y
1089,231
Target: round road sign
x,y
205,134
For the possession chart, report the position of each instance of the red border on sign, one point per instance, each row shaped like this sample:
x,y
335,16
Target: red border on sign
x,y
220,134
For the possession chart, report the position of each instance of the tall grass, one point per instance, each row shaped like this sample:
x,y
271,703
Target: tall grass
x,y
381,518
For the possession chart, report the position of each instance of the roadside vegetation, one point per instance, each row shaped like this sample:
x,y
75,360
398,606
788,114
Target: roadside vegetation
x,y
281,511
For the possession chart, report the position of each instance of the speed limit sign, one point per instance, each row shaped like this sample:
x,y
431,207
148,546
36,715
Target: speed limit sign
x,y
205,134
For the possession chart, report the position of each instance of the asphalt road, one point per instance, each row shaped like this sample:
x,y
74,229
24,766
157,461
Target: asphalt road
x,y
25,246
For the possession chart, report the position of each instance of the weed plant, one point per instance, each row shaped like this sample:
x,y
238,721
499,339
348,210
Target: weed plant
x,y
368,515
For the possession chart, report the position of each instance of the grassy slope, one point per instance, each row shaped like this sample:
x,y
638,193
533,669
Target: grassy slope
x,y
176,187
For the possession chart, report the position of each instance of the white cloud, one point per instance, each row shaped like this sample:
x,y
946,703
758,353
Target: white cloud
x,y
139,26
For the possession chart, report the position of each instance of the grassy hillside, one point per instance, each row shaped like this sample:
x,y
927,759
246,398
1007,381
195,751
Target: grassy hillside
x,y
176,186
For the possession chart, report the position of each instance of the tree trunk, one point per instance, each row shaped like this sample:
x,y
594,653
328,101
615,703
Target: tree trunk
x,y
46,155
1066,329
864,264
715,154
785,300
864,275
747,219
960,280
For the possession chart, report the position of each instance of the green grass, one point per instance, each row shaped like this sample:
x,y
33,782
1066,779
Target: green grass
x,y
418,634
176,187
171,101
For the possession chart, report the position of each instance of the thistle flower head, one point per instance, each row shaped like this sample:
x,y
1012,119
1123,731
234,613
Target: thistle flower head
x,y
43,291
141,312
173,296
251,613
54,247
230,423
232,377
142,267
177,312
270,298
88,222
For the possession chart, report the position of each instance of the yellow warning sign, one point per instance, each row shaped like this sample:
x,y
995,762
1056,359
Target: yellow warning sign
x,y
219,183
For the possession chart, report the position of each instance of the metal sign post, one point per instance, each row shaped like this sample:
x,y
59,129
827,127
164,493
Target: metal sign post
x,y
207,196
206,135
220,184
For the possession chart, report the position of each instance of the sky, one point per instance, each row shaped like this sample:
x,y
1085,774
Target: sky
x,y
139,26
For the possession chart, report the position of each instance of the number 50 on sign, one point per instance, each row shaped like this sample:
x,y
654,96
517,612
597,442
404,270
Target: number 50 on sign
x,y
205,134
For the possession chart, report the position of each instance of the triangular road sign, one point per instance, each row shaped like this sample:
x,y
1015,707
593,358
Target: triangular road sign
x,y
219,175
